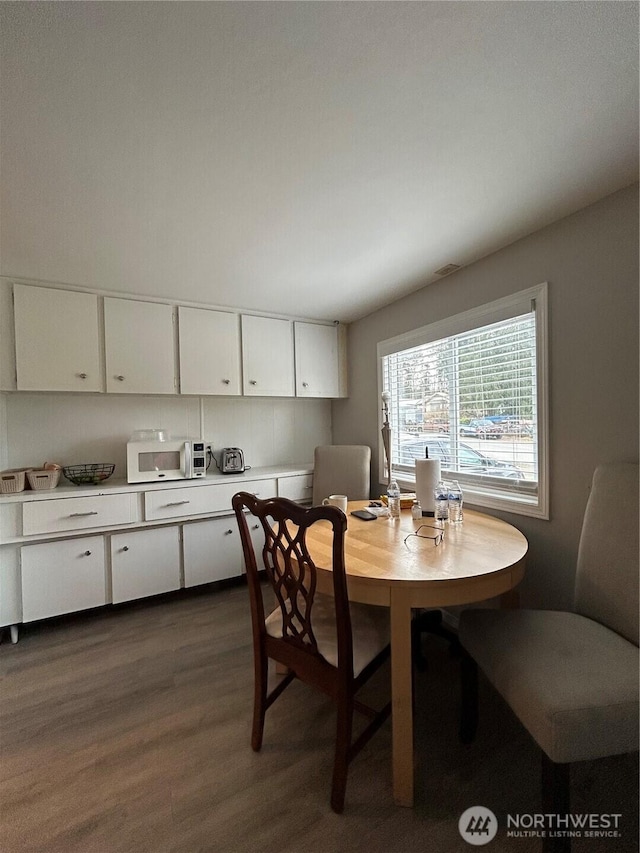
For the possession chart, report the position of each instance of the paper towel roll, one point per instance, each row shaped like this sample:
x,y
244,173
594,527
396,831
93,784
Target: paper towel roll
x,y
427,478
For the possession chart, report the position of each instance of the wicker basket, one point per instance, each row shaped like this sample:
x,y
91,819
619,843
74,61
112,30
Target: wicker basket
x,y
39,480
13,480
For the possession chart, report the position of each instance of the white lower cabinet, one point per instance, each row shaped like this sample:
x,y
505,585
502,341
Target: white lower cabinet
x,y
212,551
145,562
61,577
126,545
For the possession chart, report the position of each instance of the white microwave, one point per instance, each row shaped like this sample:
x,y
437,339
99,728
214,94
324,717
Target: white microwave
x,y
155,461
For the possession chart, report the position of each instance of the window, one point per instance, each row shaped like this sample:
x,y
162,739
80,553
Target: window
x,y
472,391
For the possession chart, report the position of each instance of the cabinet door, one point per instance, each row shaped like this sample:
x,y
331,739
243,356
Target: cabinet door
x,y
317,362
209,351
10,596
139,347
212,551
145,562
61,577
267,357
57,342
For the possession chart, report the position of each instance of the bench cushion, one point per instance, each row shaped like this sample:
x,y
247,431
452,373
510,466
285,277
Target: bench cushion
x,y
571,681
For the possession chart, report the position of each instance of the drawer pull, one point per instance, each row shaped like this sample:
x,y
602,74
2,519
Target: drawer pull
x,y
178,503
252,382
228,532
87,553
120,378
82,376
226,382
125,548
82,514
305,384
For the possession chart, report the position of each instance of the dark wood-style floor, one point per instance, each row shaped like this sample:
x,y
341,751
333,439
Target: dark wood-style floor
x,y
127,729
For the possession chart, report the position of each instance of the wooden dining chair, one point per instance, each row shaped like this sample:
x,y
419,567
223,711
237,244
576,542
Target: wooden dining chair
x,y
323,640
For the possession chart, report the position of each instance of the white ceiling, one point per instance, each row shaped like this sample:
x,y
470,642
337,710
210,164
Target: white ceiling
x,y
307,158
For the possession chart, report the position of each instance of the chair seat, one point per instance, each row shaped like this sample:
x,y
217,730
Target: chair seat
x,y
369,626
572,682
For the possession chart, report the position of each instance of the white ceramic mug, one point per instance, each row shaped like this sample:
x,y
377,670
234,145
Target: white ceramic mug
x,y
337,500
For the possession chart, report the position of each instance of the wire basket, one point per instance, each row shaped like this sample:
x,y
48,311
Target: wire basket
x,y
88,474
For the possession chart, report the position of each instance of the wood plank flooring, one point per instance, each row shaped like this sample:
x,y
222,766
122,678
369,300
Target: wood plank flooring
x,y
127,731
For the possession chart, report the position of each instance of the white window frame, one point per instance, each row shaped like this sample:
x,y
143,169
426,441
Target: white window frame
x,y
481,495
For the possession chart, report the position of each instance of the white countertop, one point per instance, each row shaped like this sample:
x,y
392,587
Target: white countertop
x,y
114,486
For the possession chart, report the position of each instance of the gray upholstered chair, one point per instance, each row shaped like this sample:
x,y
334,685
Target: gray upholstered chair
x,y
341,469
571,677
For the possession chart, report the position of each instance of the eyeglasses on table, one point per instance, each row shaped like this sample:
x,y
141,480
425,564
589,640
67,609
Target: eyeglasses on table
x,y
436,534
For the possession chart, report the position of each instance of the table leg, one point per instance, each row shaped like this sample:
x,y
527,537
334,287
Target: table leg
x,y
401,697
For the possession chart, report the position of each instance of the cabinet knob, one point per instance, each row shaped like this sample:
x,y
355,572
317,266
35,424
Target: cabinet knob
x,y
125,547
82,375
252,382
87,553
226,381
256,527
227,532
120,378
305,384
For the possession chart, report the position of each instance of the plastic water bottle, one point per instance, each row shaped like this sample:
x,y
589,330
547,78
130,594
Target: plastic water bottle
x,y
393,496
441,496
455,502
416,510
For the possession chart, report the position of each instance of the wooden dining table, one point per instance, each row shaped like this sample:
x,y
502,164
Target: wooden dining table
x,y
480,558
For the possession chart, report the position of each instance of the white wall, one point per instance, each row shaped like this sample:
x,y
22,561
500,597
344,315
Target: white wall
x,y
72,428
590,260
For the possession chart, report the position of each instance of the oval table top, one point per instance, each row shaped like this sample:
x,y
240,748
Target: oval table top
x,y
472,555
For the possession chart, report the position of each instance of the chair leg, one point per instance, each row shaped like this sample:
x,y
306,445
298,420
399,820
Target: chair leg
x,y
556,800
430,621
469,698
344,724
259,700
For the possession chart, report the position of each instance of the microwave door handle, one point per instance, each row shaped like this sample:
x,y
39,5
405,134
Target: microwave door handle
x,y
186,469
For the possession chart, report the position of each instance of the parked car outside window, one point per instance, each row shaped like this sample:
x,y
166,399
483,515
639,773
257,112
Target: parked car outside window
x,y
481,428
471,461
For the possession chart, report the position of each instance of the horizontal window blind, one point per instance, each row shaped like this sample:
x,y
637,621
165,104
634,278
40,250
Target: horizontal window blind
x,y
471,399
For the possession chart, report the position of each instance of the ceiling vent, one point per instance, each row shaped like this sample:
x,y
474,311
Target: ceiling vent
x,y
448,269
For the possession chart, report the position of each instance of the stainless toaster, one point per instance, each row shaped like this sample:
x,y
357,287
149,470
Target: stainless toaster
x,y
231,460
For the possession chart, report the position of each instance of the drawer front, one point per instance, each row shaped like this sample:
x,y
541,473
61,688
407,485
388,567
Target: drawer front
x,y
62,577
200,500
52,516
297,488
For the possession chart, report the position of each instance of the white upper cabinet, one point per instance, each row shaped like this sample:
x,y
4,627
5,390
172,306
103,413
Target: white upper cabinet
x,y
57,341
67,340
209,351
139,346
267,357
317,360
